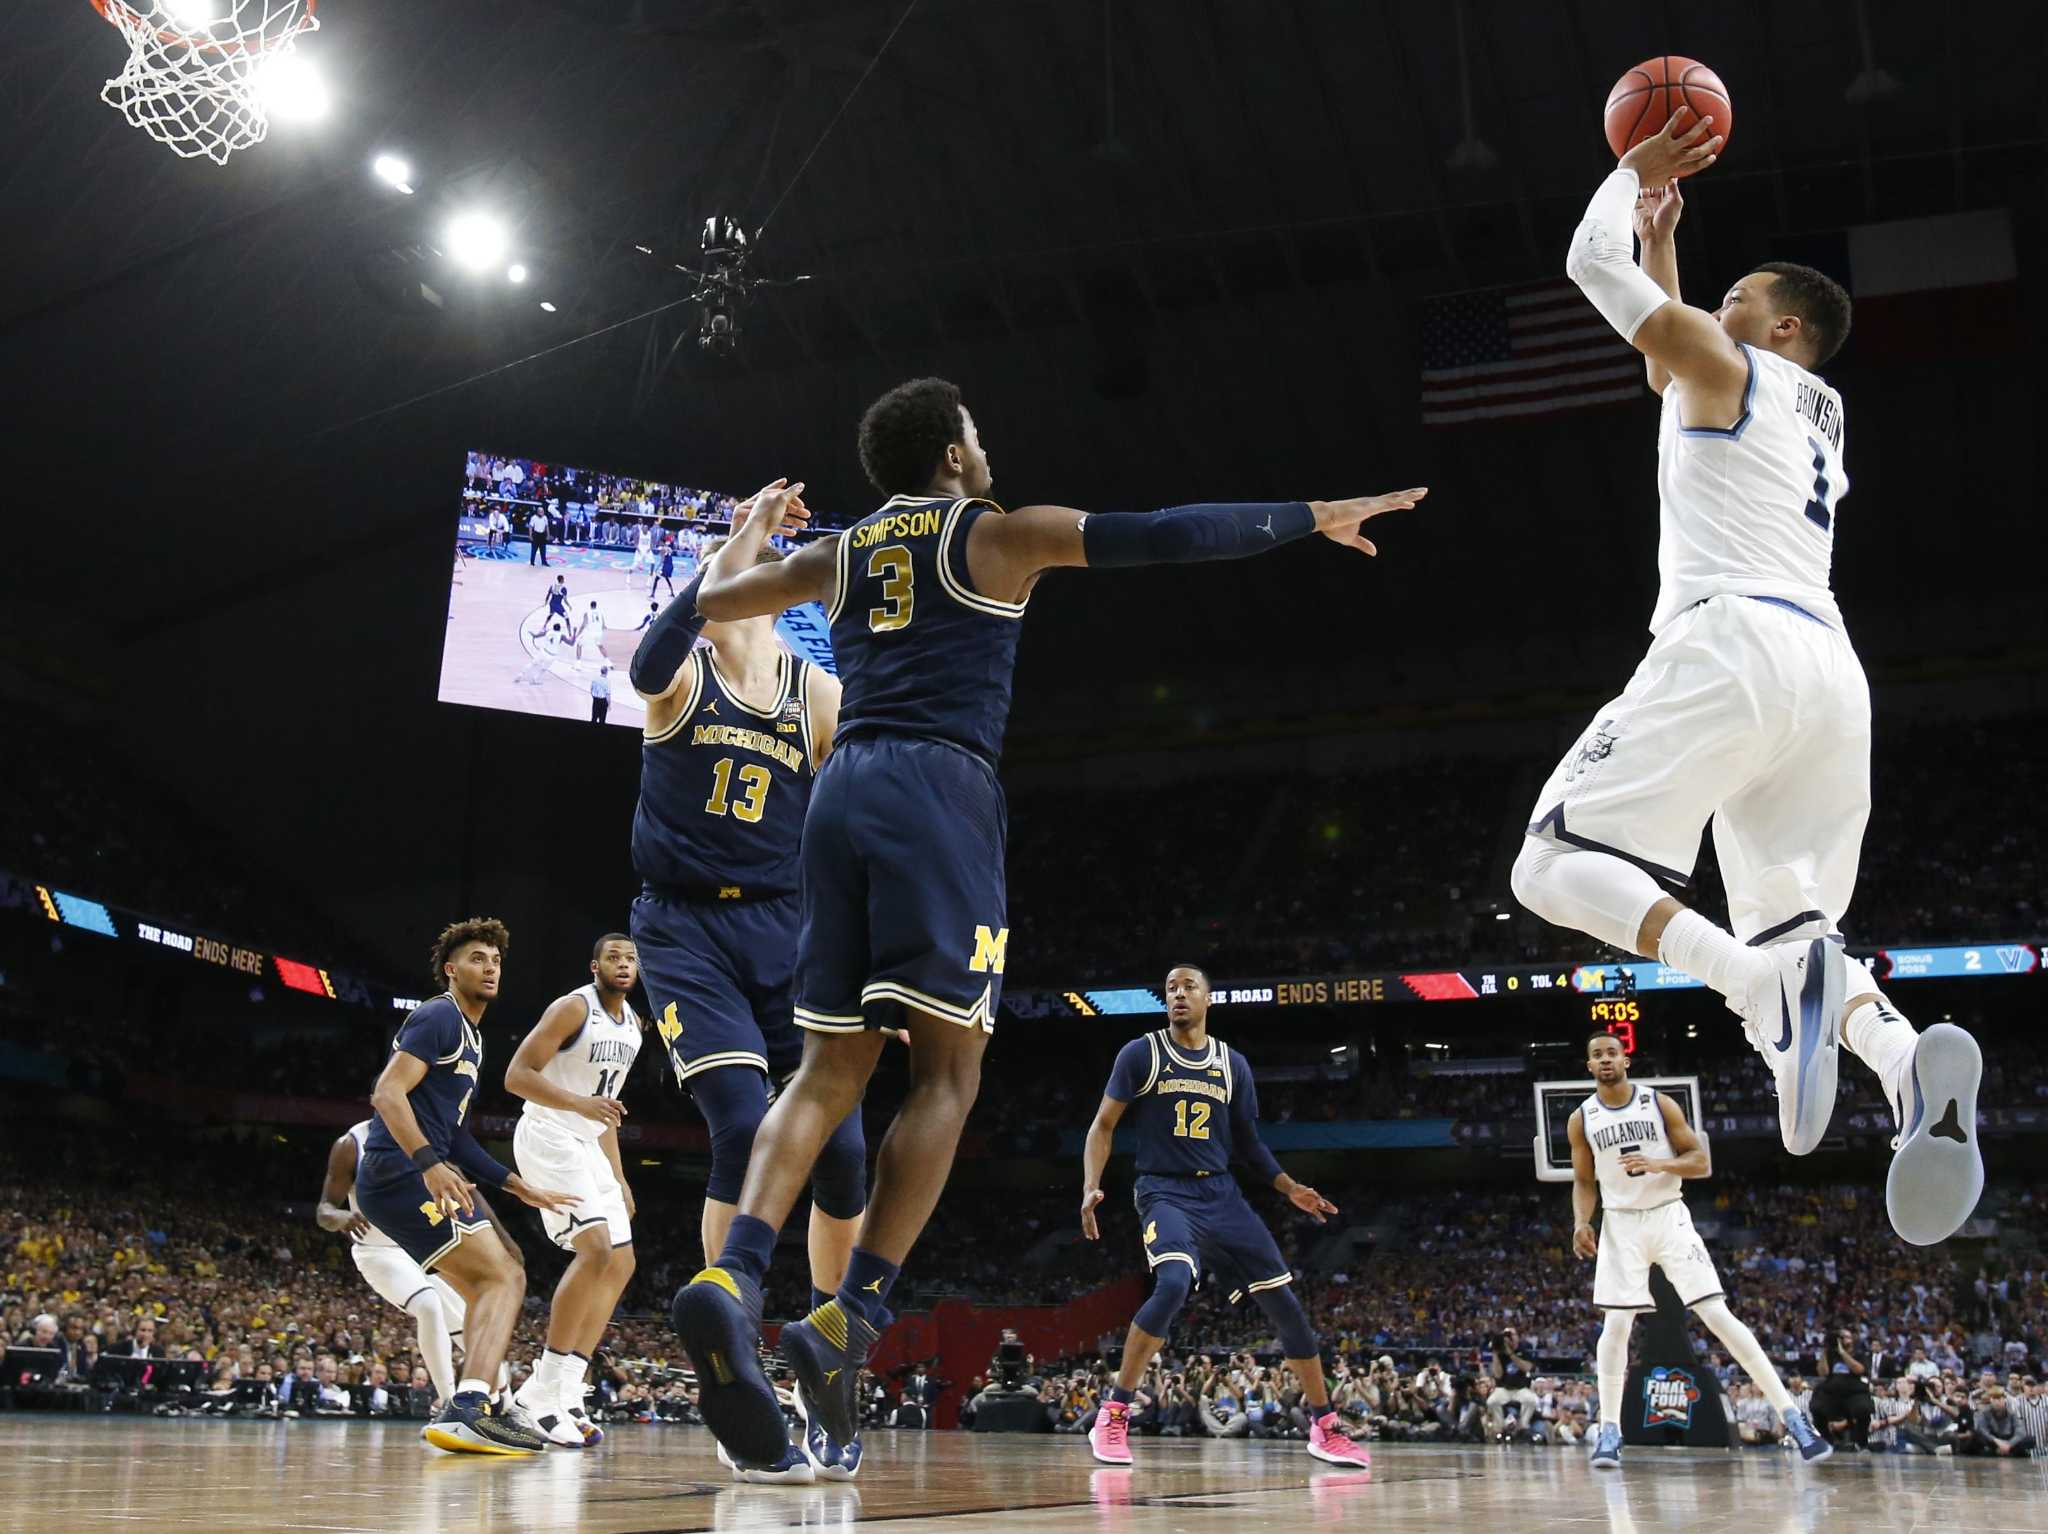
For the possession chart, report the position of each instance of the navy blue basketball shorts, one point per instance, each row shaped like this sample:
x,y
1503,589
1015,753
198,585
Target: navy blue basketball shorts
x,y
1206,1223
392,1193
902,887
718,976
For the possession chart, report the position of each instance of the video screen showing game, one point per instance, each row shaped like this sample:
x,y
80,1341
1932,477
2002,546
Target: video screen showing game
x,y
558,571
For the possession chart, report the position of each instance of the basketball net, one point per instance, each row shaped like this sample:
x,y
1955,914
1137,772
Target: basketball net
x,y
195,77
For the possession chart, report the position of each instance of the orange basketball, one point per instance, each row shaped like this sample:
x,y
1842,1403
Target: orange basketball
x,y
1643,100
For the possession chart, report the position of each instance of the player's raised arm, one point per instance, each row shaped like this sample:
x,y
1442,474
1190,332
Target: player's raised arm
x,y
1687,343
1658,210
543,1041
333,1212
1005,555
736,585
1585,1189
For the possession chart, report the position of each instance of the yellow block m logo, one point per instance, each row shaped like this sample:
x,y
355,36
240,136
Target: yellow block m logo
x,y
989,950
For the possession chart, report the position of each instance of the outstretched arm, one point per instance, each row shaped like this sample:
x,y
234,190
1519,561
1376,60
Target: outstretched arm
x,y
1658,210
1687,343
1006,555
737,586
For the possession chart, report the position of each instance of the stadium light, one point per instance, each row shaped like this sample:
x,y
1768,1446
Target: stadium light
x,y
547,306
476,240
293,90
393,171
515,272
193,13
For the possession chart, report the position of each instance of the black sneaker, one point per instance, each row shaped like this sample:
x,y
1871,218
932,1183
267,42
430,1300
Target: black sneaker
x,y
827,1349
717,1315
468,1425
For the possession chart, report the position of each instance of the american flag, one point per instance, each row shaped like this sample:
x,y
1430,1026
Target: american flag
x,y
1504,352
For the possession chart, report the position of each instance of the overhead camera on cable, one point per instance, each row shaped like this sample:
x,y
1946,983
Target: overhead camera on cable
x,y
724,286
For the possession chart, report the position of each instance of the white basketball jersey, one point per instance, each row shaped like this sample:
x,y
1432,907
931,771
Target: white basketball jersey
x,y
646,541
360,1133
594,1063
1638,1125
1750,510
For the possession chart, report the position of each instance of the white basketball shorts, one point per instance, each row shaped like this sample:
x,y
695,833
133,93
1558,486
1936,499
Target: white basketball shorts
x,y
1632,1239
553,1158
1752,714
391,1271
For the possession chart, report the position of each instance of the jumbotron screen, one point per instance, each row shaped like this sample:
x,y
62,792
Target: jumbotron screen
x,y
559,570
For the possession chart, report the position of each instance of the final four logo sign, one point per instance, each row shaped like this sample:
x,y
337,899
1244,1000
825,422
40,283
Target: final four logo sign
x,y
1668,1395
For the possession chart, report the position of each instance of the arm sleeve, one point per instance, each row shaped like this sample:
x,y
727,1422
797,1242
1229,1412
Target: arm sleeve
x,y
668,642
1244,1123
431,1033
1127,1076
1602,258
1181,534
479,1163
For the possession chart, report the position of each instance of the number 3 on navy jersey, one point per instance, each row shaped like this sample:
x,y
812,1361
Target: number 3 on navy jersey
x,y
1820,510
891,566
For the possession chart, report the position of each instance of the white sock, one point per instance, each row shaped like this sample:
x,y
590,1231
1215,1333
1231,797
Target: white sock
x,y
574,1366
437,1344
549,1373
469,1384
1882,1040
1743,1347
1611,1357
1712,954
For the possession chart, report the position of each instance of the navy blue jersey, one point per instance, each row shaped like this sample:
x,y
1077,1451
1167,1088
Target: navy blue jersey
x,y
1189,1112
438,1033
920,651
724,788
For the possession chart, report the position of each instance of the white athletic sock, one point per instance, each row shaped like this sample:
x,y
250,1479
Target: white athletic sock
x,y
547,1374
574,1368
1712,954
1611,1357
1883,1040
504,1375
1743,1347
470,1383
437,1344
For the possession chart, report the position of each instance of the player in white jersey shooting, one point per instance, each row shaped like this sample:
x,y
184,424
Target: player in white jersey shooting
x,y
1631,1148
1751,707
570,1069
433,1303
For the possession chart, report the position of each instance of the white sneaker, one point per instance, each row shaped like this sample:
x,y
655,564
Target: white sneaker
x,y
528,1408
1937,1174
1794,1016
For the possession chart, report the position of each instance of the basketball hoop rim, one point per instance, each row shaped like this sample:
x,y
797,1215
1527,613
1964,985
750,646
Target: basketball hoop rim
x,y
199,43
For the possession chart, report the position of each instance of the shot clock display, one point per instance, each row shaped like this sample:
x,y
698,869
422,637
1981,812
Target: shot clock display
x,y
1619,1016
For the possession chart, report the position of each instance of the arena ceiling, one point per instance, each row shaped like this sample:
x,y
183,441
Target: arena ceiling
x,y
1177,245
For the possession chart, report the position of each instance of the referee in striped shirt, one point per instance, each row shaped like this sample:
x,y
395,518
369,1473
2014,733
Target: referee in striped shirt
x,y
2030,1406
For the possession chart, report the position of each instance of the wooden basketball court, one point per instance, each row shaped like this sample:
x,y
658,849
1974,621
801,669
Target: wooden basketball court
x,y
70,1473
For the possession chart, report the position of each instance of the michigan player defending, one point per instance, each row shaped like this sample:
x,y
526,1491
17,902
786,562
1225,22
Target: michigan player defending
x,y
1631,1150
435,1307
571,1068
903,896
1751,706
1196,1109
736,731
408,1184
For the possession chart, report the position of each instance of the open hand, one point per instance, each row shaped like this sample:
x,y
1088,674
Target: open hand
x,y
1685,144
607,1111
1584,1242
1339,521
541,1198
1090,1197
1311,1203
449,1189
1658,209
780,502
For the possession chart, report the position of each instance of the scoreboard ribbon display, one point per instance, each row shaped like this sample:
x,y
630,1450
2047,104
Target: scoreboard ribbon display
x,y
1887,964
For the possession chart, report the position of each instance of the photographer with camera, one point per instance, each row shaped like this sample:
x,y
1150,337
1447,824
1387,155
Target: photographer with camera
x,y
1509,1370
1842,1400
1433,1400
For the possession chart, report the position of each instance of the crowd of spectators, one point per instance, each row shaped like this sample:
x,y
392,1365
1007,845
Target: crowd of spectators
x,y
570,490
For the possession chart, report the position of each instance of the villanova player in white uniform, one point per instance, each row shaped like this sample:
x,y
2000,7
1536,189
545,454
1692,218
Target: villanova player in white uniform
x,y
570,1069
1751,706
1631,1146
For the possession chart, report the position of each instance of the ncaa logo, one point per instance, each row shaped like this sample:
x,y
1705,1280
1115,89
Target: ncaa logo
x,y
1668,1396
